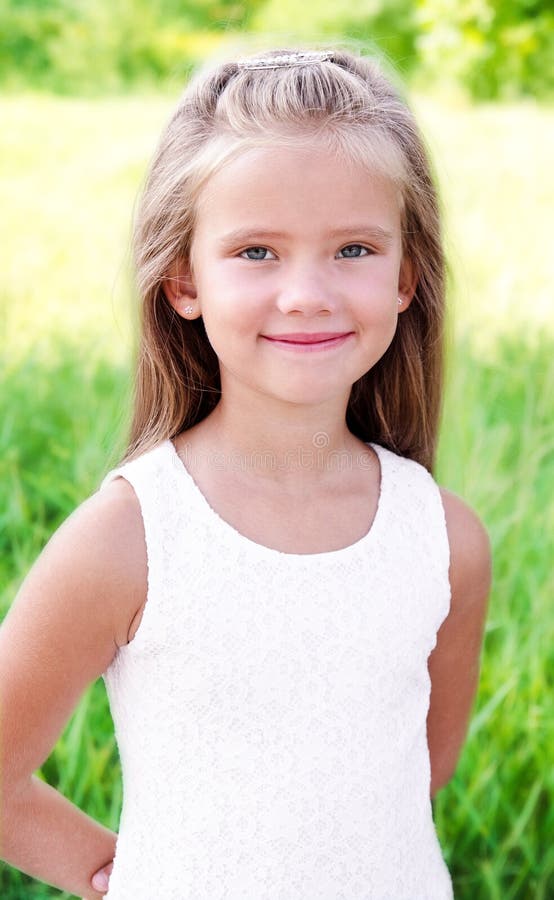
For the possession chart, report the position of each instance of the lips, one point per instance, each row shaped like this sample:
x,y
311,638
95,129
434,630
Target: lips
x,y
305,338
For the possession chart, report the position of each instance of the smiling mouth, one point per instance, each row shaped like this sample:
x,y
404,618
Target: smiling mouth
x,y
317,338
306,342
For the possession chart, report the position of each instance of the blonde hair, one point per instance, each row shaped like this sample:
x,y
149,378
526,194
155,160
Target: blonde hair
x,y
349,103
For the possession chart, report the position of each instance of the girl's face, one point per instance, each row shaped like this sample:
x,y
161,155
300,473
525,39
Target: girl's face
x,y
295,245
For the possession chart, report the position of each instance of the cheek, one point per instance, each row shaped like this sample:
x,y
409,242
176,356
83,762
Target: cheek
x,y
378,295
378,308
230,302
379,321
229,319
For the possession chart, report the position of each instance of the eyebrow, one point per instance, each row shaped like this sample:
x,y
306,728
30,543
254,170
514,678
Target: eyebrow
x,y
243,235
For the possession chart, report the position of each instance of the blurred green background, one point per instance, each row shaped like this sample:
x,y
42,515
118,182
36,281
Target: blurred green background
x,y
498,49
86,87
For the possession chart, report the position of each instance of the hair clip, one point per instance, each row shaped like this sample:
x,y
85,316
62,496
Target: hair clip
x,y
286,59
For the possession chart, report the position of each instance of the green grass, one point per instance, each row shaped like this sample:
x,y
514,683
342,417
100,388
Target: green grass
x,y
496,817
70,173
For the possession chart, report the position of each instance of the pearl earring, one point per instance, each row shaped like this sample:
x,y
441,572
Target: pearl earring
x,y
399,301
188,309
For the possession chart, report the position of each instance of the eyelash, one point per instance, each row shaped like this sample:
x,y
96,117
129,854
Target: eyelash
x,y
368,252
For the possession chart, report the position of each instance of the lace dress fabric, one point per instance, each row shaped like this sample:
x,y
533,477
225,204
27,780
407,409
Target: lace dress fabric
x,y
270,712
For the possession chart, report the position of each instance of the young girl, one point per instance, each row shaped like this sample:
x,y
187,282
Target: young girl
x,y
286,609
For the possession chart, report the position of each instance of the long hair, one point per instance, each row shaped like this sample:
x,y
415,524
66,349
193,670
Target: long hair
x,y
350,103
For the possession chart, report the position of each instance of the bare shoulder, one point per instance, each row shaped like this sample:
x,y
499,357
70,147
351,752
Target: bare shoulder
x,y
96,560
70,615
112,519
470,551
454,663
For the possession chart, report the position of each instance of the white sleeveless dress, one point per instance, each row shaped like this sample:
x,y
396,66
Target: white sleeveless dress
x,y
270,712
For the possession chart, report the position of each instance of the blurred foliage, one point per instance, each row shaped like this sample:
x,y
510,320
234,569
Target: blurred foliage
x,y
387,28
498,49
495,49
93,46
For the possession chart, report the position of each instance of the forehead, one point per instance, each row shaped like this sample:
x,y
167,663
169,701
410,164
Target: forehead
x,y
298,186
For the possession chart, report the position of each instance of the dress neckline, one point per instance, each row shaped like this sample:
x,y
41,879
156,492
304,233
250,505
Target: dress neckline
x,y
185,480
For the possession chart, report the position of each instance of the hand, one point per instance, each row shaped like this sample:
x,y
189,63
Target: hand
x,y
101,879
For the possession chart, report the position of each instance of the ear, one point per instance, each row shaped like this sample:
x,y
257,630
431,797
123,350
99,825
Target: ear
x,y
407,283
178,287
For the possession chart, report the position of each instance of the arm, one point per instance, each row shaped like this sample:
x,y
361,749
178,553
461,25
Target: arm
x,y
71,613
454,663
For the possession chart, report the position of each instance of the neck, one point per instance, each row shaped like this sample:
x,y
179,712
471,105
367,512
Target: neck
x,y
284,446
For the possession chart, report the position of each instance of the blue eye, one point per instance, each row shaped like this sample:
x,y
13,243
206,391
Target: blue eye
x,y
255,253
353,251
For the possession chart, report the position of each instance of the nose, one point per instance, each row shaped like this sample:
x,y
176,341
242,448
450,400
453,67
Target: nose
x,y
305,290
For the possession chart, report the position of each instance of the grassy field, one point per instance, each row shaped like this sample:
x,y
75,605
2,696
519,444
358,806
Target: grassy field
x,y
70,172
